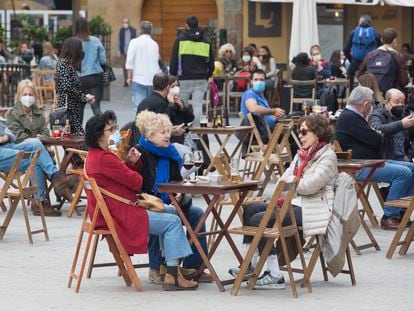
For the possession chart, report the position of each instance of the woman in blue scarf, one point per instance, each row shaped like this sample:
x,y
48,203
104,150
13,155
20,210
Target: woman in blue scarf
x,y
161,163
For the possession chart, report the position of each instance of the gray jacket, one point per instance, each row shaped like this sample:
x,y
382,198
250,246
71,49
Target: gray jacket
x,y
381,119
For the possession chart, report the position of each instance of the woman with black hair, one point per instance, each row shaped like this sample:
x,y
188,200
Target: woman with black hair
x,y
303,71
133,222
337,68
68,86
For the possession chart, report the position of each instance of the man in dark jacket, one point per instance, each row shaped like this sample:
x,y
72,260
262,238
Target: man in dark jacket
x,y
353,132
365,22
125,35
391,74
192,60
388,118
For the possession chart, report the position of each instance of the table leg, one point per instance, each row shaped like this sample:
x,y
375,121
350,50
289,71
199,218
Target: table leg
x,y
194,239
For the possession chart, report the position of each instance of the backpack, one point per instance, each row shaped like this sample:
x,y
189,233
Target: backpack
x,y
382,65
329,98
242,84
363,42
214,95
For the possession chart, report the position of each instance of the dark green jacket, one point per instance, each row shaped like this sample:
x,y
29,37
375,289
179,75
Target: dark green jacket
x,y
21,126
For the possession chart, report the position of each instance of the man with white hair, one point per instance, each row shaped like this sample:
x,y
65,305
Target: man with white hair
x,y
142,64
389,119
353,132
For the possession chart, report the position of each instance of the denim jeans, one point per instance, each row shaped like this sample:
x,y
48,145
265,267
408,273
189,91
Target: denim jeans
x,y
8,153
400,176
194,261
196,89
168,230
139,93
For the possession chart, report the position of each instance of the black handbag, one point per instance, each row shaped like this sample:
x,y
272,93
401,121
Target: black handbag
x,y
59,115
108,74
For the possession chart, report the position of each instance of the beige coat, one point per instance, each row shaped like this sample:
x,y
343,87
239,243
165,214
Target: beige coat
x,y
315,191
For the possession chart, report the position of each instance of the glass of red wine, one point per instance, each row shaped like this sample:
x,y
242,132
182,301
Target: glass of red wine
x,y
198,160
188,163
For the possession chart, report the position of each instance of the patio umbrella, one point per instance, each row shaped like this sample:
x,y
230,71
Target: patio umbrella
x,y
304,27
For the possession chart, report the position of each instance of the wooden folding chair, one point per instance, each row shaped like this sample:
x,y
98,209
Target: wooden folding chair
x,y
25,188
272,234
74,206
122,259
45,86
297,84
406,203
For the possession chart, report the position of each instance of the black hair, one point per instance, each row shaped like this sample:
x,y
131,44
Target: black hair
x,y
81,28
258,71
160,81
336,58
388,35
72,51
173,79
95,127
192,22
302,59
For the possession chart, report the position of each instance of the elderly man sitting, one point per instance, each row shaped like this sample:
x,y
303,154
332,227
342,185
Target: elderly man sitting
x,y
353,132
61,182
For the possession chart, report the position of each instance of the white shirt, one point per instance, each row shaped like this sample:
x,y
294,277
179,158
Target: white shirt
x,y
142,57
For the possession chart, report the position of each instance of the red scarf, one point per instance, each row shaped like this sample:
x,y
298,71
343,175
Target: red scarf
x,y
306,156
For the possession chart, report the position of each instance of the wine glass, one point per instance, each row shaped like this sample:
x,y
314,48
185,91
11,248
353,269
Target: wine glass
x,y
198,160
188,163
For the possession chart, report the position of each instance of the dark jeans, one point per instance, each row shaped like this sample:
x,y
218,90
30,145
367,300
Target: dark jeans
x,y
92,84
353,68
193,261
253,215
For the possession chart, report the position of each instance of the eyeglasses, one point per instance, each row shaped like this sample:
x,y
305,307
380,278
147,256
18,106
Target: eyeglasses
x,y
303,132
113,128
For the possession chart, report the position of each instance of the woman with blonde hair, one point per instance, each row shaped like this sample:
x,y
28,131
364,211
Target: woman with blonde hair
x,y
49,59
26,119
368,80
161,163
226,57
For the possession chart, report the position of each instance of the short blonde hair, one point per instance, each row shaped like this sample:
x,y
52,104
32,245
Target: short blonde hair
x,y
22,85
47,49
225,47
149,122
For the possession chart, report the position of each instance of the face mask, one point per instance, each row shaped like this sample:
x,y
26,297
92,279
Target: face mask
x,y
126,26
259,86
246,58
27,100
398,111
342,61
175,90
116,138
316,58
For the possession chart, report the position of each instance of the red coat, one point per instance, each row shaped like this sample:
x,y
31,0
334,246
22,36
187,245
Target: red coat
x,y
131,222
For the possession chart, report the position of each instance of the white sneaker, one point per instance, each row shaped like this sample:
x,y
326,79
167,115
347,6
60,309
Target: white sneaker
x,y
268,281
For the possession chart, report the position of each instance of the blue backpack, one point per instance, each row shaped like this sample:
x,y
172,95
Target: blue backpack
x,y
363,42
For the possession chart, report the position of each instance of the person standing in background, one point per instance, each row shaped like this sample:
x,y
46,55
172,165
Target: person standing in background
x,y
93,57
142,64
125,35
192,60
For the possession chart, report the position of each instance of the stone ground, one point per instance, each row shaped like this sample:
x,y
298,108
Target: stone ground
x,y
33,277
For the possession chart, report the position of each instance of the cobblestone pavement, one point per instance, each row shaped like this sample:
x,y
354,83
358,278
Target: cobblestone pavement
x,y
33,277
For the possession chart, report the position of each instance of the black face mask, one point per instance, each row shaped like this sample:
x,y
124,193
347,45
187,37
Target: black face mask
x,y
398,111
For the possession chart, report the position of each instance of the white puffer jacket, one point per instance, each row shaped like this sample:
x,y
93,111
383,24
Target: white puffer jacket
x,y
315,191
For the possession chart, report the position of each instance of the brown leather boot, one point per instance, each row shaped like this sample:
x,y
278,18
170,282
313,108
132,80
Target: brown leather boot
x,y
47,209
172,283
64,183
188,274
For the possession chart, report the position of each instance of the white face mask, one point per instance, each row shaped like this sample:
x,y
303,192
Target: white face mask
x,y
316,58
27,100
175,90
246,58
126,25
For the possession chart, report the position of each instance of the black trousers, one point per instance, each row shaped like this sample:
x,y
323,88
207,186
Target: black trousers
x,y
353,68
92,84
252,216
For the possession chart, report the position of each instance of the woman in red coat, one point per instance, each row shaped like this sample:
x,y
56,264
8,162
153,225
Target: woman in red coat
x,y
133,224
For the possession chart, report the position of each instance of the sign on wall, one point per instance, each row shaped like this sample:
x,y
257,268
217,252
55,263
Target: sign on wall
x,y
265,19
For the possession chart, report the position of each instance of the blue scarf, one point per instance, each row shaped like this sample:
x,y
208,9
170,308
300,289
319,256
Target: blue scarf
x,y
163,154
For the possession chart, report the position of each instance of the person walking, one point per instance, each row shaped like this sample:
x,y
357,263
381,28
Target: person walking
x,y
192,60
93,57
125,35
142,64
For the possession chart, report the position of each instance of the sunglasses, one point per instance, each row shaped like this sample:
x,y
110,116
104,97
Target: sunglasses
x,y
229,51
303,132
113,128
